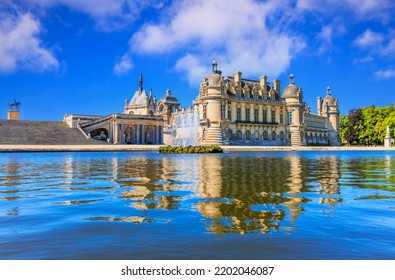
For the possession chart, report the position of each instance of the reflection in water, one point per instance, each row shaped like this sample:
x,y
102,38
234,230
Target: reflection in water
x,y
226,194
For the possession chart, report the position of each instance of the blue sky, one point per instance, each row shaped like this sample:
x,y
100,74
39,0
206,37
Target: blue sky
x,y
59,56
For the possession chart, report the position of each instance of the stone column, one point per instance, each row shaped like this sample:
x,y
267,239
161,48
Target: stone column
x,y
142,134
122,134
115,128
137,134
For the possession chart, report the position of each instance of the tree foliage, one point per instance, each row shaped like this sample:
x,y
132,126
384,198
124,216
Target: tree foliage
x,y
367,125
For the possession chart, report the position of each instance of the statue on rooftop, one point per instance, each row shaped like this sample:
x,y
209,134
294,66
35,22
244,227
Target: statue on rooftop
x,y
14,105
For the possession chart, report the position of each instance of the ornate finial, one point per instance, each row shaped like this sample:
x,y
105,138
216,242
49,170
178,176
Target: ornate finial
x,y
168,92
328,90
214,65
292,79
141,81
150,92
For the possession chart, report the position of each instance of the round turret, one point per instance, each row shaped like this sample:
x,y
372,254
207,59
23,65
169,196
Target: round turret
x,y
329,99
291,91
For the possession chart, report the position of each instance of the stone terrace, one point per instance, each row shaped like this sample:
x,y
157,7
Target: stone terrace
x,y
41,133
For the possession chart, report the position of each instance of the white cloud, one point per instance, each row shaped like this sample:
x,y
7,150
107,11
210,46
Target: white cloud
x,y
108,14
21,46
376,9
366,59
328,33
385,74
379,44
123,64
235,32
369,39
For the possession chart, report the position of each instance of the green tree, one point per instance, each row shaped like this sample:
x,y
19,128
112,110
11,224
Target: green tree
x,y
353,130
343,123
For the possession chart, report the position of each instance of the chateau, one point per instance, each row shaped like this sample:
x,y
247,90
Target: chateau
x,y
229,110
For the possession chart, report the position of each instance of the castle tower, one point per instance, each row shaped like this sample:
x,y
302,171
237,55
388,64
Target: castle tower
x,y
209,102
293,97
330,109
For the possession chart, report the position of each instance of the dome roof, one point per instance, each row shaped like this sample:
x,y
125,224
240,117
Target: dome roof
x,y
329,99
214,79
168,98
291,90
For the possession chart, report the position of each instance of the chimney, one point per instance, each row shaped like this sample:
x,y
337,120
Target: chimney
x,y
263,81
238,78
276,84
13,115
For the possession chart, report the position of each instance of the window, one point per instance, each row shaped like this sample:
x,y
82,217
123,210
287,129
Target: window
x,y
248,135
238,114
282,135
256,135
273,135
247,115
265,135
264,116
281,117
204,111
223,111
229,113
230,133
289,117
239,135
256,116
273,116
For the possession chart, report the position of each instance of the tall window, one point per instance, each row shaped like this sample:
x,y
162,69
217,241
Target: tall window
x,y
239,135
265,135
229,113
273,135
256,116
247,115
238,114
223,111
248,135
289,117
273,116
281,117
264,116
204,112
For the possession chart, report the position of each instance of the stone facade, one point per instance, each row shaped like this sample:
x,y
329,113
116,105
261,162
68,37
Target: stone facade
x,y
238,111
229,110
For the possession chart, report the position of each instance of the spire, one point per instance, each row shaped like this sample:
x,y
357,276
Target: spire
x,y
292,79
141,81
328,91
214,65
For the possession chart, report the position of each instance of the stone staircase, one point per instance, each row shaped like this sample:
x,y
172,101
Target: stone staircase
x,y
296,140
42,133
213,136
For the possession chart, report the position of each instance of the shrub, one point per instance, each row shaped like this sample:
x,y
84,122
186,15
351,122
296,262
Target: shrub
x,y
190,149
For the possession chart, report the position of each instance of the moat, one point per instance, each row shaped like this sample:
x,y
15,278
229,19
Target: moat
x,y
245,205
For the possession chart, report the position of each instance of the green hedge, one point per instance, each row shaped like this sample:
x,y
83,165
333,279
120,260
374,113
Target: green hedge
x,y
190,149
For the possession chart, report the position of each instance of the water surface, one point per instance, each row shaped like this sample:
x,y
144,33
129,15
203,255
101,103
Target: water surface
x,y
144,205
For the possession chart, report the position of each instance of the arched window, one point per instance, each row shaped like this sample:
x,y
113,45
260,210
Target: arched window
x,y
239,135
230,133
248,135
274,135
265,135
256,135
282,135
